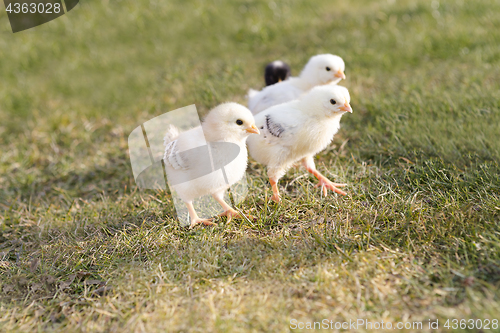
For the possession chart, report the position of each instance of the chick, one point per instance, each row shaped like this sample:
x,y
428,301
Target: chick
x,y
298,130
276,71
320,70
228,123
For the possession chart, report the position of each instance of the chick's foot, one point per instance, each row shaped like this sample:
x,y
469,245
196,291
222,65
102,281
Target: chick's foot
x,y
326,185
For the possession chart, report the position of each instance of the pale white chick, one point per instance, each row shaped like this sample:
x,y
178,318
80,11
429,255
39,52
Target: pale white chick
x,y
228,122
298,130
320,70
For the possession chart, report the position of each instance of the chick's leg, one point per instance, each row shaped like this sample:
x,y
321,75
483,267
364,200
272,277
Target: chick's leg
x,y
325,183
229,212
274,176
195,220
276,192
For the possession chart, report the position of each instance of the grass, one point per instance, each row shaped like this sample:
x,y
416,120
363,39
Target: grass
x,y
417,238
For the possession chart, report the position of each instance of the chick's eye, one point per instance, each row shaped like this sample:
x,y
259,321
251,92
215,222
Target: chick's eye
x,y
328,68
333,101
239,122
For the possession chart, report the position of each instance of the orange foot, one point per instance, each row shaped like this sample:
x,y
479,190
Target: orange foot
x,y
230,213
328,185
196,221
276,197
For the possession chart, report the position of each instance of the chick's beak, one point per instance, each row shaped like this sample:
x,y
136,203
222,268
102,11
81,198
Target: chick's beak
x,y
346,107
340,74
253,129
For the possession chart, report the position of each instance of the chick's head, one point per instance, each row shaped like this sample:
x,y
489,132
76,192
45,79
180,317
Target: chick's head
x,y
328,100
229,122
324,69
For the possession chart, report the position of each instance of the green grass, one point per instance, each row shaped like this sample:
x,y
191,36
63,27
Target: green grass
x,y
417,238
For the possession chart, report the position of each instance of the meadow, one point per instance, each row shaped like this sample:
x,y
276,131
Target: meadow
x,y
417,238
